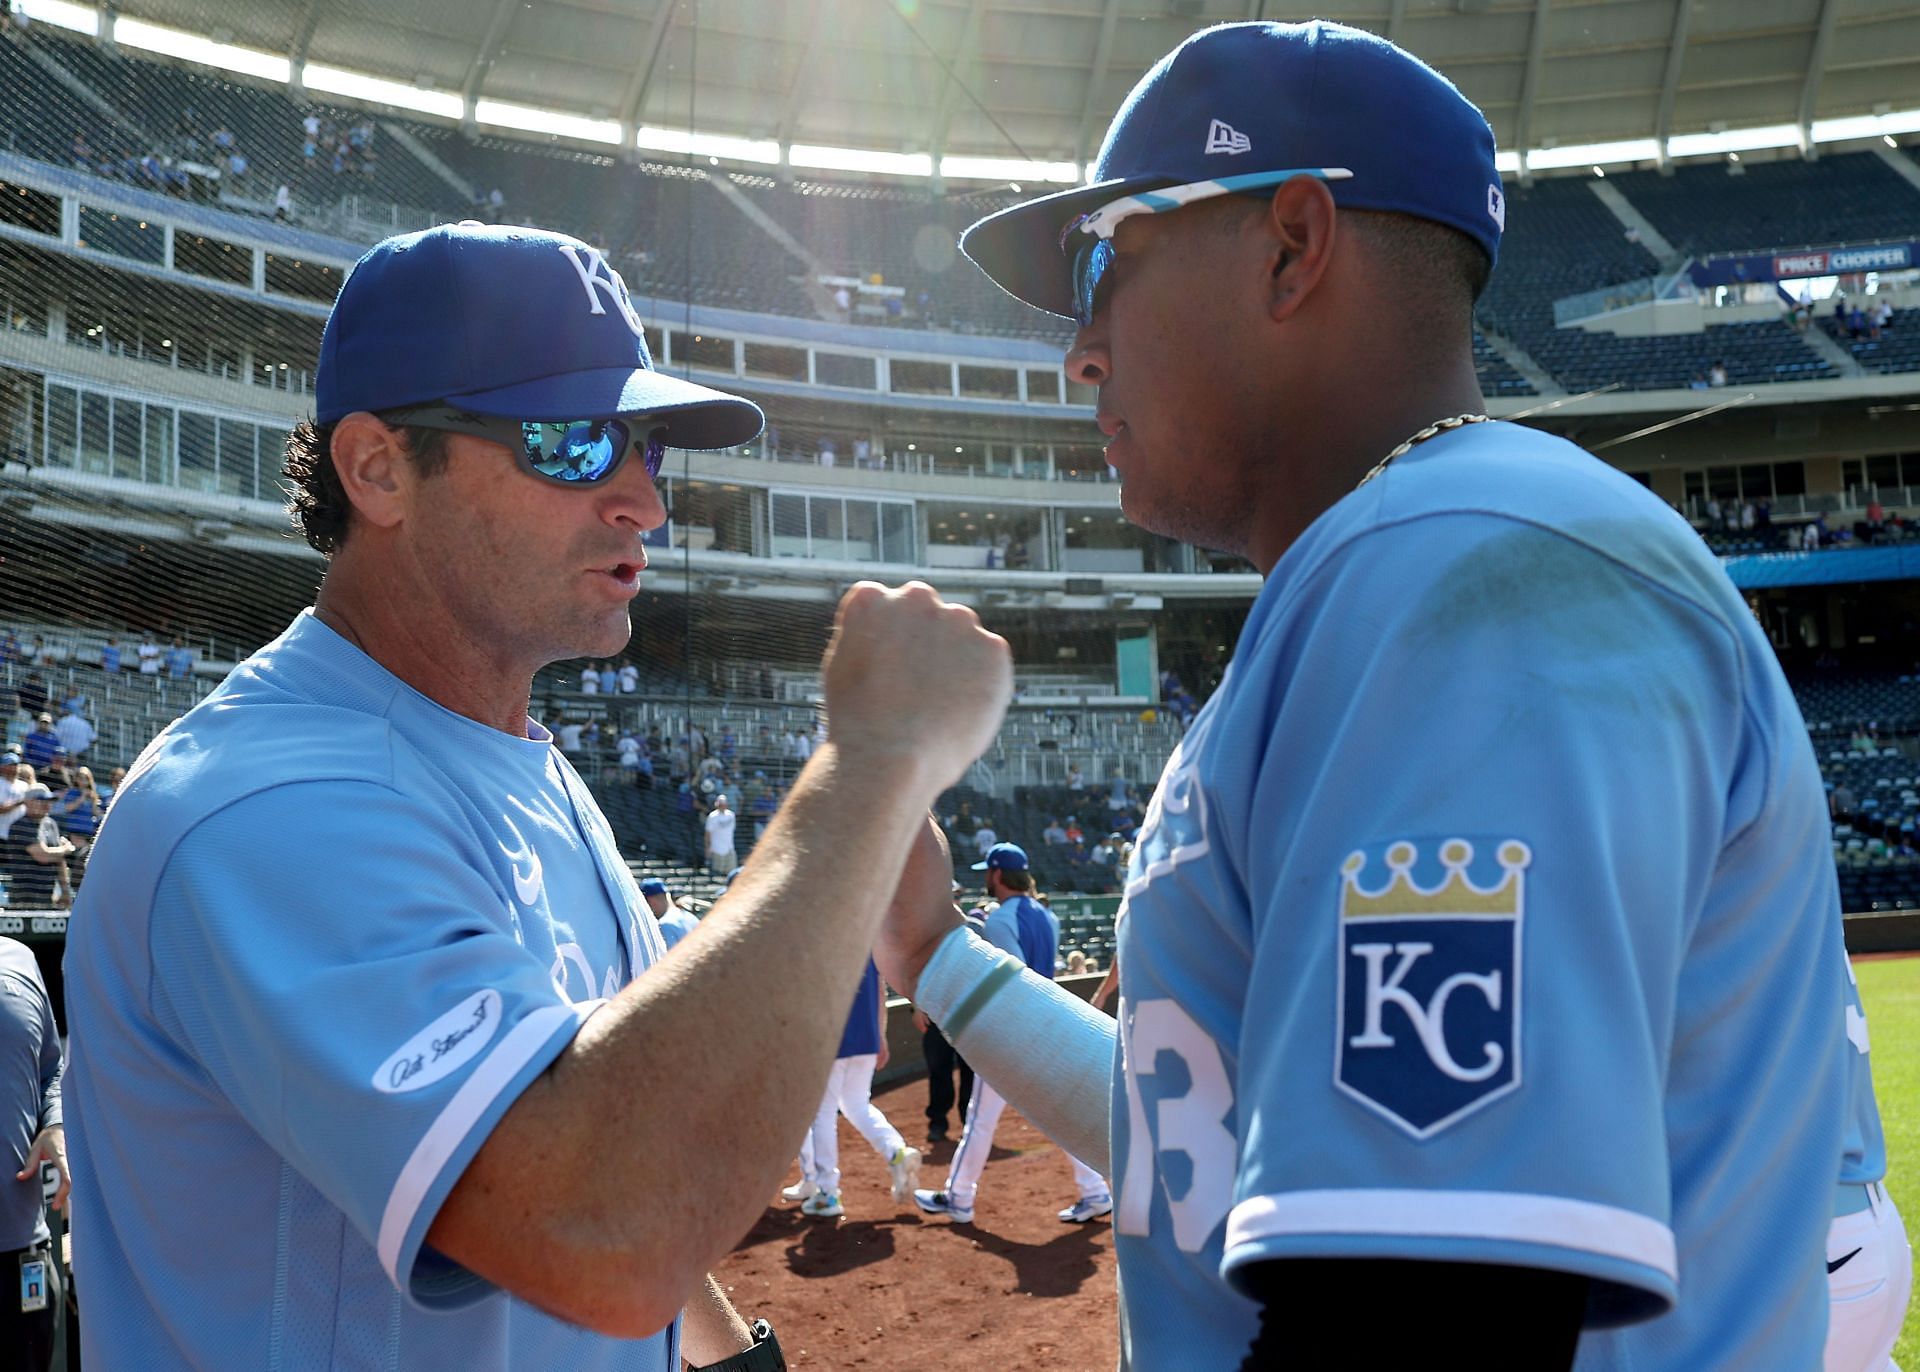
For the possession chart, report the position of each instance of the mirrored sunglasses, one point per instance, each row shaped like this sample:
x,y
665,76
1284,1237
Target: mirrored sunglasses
x,y
571,452
1093,259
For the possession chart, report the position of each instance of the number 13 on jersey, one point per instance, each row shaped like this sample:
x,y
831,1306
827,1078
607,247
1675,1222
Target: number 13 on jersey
x,y
1160,1043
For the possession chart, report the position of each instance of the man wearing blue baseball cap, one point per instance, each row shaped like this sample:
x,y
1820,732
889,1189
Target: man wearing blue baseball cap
x,y
1442,1035
358,943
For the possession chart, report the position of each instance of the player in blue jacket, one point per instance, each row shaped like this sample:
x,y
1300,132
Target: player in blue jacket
x,y
1473,944
1025,929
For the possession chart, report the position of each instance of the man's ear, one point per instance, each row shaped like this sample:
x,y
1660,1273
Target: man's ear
x,y
369,456
1301,224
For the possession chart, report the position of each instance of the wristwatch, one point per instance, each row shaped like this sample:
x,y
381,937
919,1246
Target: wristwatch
x,y
764,1356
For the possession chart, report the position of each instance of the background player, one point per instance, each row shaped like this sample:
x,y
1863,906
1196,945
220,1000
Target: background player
x,y
863,1051
1355,1113
675,922
1029,931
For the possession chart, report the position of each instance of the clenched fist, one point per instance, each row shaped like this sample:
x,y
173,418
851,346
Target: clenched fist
x,y
911,678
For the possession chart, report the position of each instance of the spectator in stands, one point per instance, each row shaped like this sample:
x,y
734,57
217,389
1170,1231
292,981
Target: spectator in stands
x,y
1074,832
80,810
1053,835
283,202
589,680
843,301
569,732
1075,781
9,646
39,748
151,659
1856,323
13,791
984,837
1717,374
32,693
1841,802
629,679
114,778
1882,316
34,856
179,659
719,825
43,654
110,657
75,731
728,744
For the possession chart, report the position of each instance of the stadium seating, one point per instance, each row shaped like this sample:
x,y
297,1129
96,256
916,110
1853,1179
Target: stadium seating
x,y
1896,350
1841,198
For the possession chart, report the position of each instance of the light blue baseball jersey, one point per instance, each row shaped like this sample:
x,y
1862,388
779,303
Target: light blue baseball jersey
x,y
329,933
1484,915
1022,926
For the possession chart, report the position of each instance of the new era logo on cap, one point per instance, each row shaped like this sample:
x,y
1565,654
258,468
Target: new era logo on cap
x,y
1224,137
1497,206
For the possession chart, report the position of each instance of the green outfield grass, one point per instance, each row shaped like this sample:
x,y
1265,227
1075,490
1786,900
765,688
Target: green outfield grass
x,y
1891,990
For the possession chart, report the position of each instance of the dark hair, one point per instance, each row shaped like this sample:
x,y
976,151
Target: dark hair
x,y
1016,881
1434,261
316,499
1439,266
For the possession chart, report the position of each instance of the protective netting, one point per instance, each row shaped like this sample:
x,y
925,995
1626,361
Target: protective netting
x,y
171,238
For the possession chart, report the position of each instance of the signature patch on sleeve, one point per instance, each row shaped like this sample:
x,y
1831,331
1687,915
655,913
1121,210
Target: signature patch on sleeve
x,y
1429,995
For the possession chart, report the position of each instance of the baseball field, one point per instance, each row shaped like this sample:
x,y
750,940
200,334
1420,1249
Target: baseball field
x,y
889,1287
1891,989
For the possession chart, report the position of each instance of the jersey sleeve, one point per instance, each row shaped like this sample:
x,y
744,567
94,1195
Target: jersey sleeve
x,y
334,959
1003,932
1493,785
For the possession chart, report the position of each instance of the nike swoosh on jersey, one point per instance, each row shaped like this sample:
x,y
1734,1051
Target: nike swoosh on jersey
x,y
1841,1262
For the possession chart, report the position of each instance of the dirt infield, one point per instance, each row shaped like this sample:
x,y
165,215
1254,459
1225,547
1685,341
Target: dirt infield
x,y
889,1287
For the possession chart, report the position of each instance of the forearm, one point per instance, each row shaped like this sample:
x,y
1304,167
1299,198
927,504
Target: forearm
x,y
698,1077
1066,1091
711,1330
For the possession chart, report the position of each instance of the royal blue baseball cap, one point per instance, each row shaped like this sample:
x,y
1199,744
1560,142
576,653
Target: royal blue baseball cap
x,y
1239,99
512,322
653,886
1003,857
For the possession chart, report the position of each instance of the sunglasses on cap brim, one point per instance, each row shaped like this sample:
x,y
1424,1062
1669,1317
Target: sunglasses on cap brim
x,y
1094,257
569,452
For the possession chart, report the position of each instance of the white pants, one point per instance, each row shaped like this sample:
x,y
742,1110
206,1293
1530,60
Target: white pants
x,y
976,1141
849,1092
1869,1290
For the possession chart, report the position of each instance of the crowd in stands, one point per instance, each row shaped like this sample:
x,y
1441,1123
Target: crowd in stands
x,y
1736,526
51,743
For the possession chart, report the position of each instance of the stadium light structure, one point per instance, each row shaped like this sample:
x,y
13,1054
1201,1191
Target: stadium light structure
x,y
654,139
60,13
960,168
192,47
505,114
380,91
821,156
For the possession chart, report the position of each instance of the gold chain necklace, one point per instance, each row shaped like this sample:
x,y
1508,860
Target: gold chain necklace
x,y
1433,430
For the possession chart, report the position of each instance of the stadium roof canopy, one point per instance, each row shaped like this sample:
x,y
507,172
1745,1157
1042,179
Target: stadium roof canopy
x,y
1037,80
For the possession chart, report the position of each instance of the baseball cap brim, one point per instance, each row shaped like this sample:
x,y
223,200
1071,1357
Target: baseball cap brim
x,y
696,416
1019,247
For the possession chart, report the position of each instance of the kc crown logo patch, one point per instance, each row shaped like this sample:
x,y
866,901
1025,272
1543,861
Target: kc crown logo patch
x,y
1429,980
